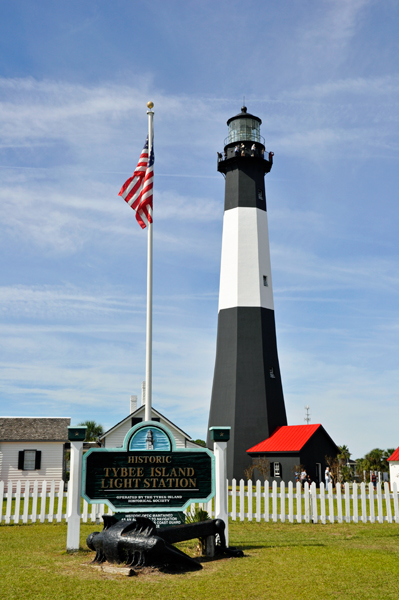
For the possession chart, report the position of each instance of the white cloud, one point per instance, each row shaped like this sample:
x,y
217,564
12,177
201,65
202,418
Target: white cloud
x,y
66,302
325,38
89,118
306,271
344,395
67,216
174,206
89,124
74,351
365,88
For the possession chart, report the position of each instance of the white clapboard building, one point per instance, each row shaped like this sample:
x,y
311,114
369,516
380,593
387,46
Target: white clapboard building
x,y
33,448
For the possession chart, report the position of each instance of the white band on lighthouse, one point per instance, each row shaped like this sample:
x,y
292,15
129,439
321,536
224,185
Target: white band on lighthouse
x,y
245,274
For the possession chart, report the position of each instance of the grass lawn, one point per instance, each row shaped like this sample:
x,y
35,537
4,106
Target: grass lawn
x,y
282,561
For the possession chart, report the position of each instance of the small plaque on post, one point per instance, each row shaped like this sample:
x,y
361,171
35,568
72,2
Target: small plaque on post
x,y
77,434
220,434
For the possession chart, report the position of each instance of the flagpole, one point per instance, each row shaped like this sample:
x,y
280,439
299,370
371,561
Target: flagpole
x,y
148,365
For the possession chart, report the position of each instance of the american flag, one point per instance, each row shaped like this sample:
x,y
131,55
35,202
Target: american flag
x,y
137,190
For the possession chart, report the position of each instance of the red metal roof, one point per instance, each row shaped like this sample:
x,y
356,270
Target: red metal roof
x,y
289,438
395,455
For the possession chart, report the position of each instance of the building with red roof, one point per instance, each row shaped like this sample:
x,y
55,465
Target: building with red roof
x,y
394,468
293,445
394,456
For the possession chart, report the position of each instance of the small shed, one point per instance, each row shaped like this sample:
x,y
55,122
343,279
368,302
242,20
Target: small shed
x,y
113,438
293,445
33,448
394,468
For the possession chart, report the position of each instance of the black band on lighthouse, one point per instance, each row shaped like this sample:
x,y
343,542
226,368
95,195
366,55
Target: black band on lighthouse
x,y
247,392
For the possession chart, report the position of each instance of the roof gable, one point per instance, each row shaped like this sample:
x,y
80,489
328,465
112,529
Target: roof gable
x,y
288,438
137,413
28,429
395,455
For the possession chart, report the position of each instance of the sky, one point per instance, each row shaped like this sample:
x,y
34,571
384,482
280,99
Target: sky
x,y
75,78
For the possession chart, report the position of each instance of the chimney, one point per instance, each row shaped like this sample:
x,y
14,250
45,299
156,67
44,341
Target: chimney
x,y
143,393
133,404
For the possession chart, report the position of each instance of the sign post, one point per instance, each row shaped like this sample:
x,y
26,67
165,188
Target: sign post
x,y
76,435
220,436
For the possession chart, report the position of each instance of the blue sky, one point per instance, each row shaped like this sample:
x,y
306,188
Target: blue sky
x,y
75,78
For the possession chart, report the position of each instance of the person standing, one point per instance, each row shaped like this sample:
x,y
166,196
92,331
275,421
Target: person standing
x,y
327,475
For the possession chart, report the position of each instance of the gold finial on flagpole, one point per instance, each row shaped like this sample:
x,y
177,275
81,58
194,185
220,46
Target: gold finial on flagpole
x,y
150,105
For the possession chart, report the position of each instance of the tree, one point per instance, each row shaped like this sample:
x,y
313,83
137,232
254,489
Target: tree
x,y
340,468
249,471
93,431
387,454
344,454
200,443
375,460
262,464
345,471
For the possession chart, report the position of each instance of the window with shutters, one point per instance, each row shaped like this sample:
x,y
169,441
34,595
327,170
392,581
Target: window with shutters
x,y
29,460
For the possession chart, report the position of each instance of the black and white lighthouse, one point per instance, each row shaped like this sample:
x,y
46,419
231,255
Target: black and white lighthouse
x,y
247,393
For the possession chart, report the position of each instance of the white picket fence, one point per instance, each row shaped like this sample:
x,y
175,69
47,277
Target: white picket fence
x,y
356,503
33,501
46,501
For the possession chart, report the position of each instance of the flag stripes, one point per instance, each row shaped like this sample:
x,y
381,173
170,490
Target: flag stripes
x,y
137,191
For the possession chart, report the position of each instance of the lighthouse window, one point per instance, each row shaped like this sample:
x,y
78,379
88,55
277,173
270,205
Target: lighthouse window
x,y
265,280
272,375
260,194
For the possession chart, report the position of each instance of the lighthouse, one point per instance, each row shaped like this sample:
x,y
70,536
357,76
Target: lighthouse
x,y
247,392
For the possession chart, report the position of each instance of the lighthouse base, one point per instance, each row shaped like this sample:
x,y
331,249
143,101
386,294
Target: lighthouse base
x,y
247,393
